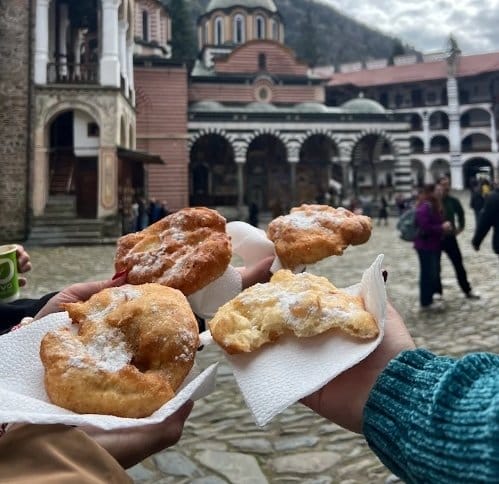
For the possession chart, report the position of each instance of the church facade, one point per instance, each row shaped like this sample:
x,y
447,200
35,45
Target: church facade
x,y
258,130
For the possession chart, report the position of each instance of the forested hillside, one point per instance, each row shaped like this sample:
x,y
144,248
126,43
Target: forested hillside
x,y
320,34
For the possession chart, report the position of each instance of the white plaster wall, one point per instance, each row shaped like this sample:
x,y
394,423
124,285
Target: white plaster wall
x,y
83,144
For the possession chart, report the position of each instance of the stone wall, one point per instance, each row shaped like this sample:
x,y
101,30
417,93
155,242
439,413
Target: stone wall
x,y
15,27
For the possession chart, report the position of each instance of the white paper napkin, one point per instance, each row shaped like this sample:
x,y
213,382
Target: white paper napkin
x,y
22,392
280,374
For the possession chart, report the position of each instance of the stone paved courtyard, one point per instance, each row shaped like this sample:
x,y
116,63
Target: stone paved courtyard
x,y
221,444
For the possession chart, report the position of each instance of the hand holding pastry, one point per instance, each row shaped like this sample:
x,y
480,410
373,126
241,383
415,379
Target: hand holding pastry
x,y
343,399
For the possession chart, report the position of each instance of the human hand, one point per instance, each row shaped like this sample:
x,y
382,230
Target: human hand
x,y
78,292
447,227
342,400
23,263
130,446
260,272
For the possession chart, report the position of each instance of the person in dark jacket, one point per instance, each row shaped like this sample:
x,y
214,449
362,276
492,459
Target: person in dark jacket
x,y
488,218
476,202
454,213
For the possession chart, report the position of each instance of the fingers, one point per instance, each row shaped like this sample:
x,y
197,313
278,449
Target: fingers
x,y
260,272
84,290
23,259
22,281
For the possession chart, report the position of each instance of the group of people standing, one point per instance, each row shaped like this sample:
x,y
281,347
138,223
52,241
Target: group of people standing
x,y
146,213
440,219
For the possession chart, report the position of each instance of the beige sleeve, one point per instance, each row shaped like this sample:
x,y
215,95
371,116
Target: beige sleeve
x,y
43,454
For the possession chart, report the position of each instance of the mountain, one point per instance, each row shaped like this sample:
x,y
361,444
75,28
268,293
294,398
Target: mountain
x,y
321,35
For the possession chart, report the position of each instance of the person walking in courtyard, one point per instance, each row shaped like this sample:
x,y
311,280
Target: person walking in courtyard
x,y
454,213
476,201
488,218
428,244
383,211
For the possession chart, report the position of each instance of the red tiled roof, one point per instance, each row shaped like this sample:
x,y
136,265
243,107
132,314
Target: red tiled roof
x,y
470,65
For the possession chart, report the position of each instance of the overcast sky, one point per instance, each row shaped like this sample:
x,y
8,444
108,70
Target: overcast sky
x,y
425,24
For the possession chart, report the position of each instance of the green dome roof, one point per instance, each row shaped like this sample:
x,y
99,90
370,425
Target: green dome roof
x,y
310,107
265,4
260,107
363,105
207,106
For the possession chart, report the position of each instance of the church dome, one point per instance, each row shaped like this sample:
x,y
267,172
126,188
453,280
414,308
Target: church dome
x,y
222,4
364,106
260,107
207,106
311,107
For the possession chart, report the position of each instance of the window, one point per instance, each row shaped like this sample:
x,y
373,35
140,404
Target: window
x,y
219,31
145,26
92,130
275,30
260,27
239,31
262,61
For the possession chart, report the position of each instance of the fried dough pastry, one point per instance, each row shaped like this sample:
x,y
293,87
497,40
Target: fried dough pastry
x,y
300,304
185,250
135,346
310,233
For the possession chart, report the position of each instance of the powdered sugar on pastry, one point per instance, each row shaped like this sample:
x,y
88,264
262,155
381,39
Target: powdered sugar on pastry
x,y
301,304
186,250
134,347
310,233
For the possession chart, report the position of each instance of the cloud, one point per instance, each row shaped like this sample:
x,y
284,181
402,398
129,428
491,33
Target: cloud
x,y
427,24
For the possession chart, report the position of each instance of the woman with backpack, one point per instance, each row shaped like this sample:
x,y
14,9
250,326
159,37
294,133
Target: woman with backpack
x,y
428,243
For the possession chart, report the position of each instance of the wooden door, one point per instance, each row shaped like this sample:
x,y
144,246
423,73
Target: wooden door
x,y
87,187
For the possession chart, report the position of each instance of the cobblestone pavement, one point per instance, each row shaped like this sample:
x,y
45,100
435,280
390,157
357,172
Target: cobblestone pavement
x,y
221,444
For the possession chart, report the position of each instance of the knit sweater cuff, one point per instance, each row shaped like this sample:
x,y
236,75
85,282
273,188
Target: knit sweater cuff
x,y
434,419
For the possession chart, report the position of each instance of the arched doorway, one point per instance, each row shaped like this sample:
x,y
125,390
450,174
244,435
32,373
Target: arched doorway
x,y
314,170
213,172
74,143
267,175
417,172
475,168
439,168
372,165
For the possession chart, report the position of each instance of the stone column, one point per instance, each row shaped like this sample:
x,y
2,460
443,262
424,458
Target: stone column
x,y
109,62
40,180
62,59
454,133
41,41
493,134
123,28
131,80
108,182
426,132
240,151
293,152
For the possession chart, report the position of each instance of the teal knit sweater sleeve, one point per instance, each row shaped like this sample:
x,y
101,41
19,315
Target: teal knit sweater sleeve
x,y
435,419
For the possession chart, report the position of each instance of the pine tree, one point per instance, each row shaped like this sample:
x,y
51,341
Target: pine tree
x,y
183,42
398,49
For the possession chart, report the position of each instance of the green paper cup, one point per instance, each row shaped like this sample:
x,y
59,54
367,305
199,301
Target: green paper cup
x,y
9,282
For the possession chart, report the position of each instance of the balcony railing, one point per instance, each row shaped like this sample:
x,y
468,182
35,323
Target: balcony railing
x,y
66,73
